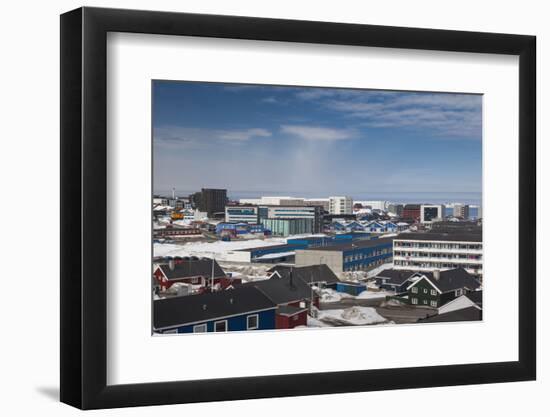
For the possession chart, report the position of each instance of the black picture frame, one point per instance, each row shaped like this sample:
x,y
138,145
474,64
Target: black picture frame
x,y
84,207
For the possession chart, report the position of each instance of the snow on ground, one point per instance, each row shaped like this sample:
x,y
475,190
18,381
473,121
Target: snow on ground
x,y
353,316
369,295
217,249
373,272
313,322
331,296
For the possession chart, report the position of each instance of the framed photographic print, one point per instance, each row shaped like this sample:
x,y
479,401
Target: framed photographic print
x,y
287,205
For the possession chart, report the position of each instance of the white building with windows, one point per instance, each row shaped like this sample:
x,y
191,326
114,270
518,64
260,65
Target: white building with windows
x,y
340,205
430,213
439,251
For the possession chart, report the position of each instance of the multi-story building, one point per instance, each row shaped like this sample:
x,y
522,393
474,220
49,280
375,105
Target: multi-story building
x,y
430,213
315,213
340,205
375,204
462,211
241,214
323,202
287,227
209,200
273,201
396,209
411,211
439,251
358,255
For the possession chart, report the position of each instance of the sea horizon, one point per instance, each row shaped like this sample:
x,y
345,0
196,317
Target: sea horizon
x,y
427,197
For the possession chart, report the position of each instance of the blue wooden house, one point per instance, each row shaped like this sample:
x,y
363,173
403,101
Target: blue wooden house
x,y
239,309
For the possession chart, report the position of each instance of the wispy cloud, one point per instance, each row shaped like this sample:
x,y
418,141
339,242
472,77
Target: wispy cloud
x,y
198,137
318,133
453,115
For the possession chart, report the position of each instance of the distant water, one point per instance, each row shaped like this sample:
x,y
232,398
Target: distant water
x,y
472,198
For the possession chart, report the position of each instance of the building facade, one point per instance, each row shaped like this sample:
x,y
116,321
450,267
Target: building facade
x,y
359,255
439,251
287,227
314,213
462,211
340,205
241,214
209,200
430,213
411,211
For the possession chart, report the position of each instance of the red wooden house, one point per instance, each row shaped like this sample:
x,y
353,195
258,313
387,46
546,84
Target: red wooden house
x,y
190,271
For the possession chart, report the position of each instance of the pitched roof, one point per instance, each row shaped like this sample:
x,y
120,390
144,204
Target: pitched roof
x,y
289,310
282,290
180,311
192,268
308,274
464,314
396,276
451,279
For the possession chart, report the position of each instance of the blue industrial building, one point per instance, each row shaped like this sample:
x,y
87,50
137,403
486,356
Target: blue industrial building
x,y
356,255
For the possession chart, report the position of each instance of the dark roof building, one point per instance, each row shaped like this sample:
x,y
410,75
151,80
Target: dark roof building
x,y
465,314
451,280
191,268
282,291
183,311
313,274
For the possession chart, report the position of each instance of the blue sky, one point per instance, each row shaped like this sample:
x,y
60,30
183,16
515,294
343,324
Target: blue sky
x,y
322,141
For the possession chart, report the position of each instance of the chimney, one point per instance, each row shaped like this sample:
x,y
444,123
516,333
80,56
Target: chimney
x,y
437,274
171,264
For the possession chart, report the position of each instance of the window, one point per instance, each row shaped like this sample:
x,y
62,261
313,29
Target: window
x,y
425,291
425,301
199,328
252,322
433,303
433,292
220,326
458,292
414,300
414,290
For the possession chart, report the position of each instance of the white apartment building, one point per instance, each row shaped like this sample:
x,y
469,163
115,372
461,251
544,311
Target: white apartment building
x,y
461,211
439,251
340,205
375,204
430,213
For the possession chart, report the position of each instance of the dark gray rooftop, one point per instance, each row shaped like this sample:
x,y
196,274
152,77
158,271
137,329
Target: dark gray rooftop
x,y
180,311
450,237
453,279
308,274
282,290
464,314
289,310
397,276
192,268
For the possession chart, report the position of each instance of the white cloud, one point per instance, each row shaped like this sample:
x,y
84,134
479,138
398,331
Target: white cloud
x,y
318,133
183,137
454,115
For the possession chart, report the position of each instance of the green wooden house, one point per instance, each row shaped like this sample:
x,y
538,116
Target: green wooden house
x,y
434,289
